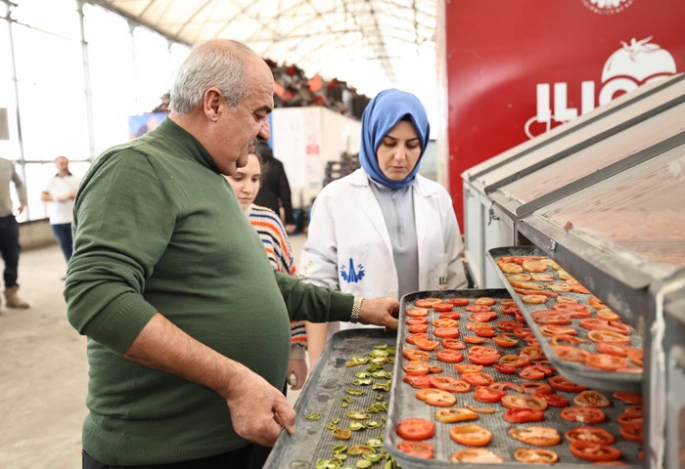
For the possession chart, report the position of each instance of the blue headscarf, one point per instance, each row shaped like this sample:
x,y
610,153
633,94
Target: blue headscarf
x,y
380,116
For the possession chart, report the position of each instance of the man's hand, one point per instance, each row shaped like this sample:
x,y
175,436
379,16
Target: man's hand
x,y
380,312
299,368
21,208
258,410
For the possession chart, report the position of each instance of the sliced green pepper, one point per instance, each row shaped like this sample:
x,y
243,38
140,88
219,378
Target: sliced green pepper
x,y
372,424
362,374
372,457
348,399
342,434
314,416
356,450
374,442
382,374
363,464
335,421
354,426
331,426
339,449
357,415
355,392
378,353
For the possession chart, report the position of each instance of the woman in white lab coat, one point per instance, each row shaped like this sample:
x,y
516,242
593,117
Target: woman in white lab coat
x,y
384,230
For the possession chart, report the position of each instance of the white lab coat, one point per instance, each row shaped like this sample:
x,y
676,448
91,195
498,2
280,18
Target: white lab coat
x,y
347,230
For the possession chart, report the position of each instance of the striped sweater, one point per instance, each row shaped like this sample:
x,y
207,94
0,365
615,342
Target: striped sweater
x,y
273,236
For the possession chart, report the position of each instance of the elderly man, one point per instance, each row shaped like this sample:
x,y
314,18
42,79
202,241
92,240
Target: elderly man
x,y
188,324
60,192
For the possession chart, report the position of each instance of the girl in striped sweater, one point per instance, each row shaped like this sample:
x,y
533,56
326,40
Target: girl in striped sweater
x,y
266,222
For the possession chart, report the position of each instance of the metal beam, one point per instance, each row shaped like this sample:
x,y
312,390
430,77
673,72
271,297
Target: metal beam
x,y
193,16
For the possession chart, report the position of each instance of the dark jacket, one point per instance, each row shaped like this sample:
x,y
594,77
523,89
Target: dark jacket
x,y
275,189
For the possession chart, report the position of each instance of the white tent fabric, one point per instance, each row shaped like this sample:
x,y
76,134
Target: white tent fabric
x,y
372,44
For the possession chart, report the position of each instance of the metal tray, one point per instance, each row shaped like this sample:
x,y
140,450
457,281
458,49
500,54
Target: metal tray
x,y
576,372
404,404
323,392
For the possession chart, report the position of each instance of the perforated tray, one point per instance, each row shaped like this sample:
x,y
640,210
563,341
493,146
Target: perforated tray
x,y
323,392
576,372
404,403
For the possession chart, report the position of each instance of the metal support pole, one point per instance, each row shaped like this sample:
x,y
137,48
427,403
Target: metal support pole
x,y
87,83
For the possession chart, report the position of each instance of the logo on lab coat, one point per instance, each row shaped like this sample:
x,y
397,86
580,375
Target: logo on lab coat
x,y
350,275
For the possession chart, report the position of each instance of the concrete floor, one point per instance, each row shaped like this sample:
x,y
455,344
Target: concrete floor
x,y
44,372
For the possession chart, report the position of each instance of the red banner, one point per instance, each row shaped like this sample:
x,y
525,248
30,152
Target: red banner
x,y
516,69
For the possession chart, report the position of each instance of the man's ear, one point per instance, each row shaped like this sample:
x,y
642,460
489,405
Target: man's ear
x,y
213,104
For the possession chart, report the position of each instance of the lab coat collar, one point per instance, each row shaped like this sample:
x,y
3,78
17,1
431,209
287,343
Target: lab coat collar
x,y
421,185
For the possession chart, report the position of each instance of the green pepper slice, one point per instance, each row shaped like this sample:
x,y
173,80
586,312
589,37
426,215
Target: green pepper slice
x,y
342,434
357,415
314,416
339,449
356,450
354,426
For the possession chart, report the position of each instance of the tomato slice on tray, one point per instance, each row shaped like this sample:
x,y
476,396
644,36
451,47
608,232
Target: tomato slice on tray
x,y
562,384
612,349
505,342
414,354
417,312
440,398
470,435
453,315
508,302
536,456
593,435
523,415
427,302
478,309
485,333
514,360
445,323
455,414
532,353
594,452
565,339
509,325
632,431
603,361
555,400
613,338
449,384
535,372
591,399
478,455
482,317
628,418
523,401
570,354
419,449
483,355
504,369
450,356
485,301
636,356
589,415
415,367
443,307
426,344
474,339
500,386
415,429
458,301
550,316
510,310
566,300
629,397
488,395
411,337
453,344
418,381
534,299
446,332
550,330
478,379
536,436
468,368
418,328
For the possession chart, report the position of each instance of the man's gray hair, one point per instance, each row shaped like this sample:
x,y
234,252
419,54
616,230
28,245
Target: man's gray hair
x,y
219,63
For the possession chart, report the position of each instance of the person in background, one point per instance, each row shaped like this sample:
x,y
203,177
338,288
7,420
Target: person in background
x,y
245,183
188,324
384,230
274,191
9,231
60,192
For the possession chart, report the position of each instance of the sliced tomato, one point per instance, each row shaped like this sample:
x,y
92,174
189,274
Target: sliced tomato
x,y
418,328
612,349
629,397
570,354
454,414
580,289
449,384
478,379
510,310
566,300
482,317
636,356
536,436
602,325
548,294
453,344
550,330
419,449
589,415
446,332
417,367
534,299
536,388
488,395
427,302
445,323
485,301
593,435
608,337
573,310
483,355
560,287
468,368
628,418
470,435
422,394
485,333
509,325
507,302
440,399
596,303
532,353
417,312
523,415
555,400
443,307
531,372
415,429
478,309
593,452
411,337
450,356
505,342
474,326
504,369
478,455
420,320
562,384
534,266
608,315
453,315
550,316
632,431
500,386
525,285
458,301
474,339
591,399
417,381
514,360
414,354
544,277
565,339
426,344
523,401
536,456
603,361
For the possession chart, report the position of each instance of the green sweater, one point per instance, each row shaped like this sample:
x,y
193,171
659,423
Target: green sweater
x,y
158,228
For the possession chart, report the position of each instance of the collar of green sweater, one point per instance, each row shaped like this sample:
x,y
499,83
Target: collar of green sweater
x,y
170,130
